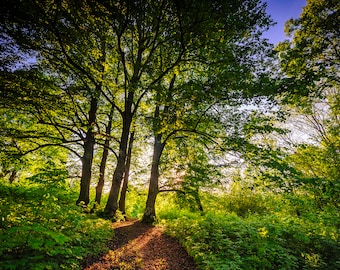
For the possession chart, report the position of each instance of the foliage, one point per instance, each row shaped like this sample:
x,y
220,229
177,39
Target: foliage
x,y
273,239
41,228
310,61
136,202
320,172
315,40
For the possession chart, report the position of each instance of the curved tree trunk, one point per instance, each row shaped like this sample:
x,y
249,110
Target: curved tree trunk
x,y
86,173
150,212
126,175
101,180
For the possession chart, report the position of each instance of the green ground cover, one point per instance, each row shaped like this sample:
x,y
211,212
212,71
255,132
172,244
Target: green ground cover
x,y
42,228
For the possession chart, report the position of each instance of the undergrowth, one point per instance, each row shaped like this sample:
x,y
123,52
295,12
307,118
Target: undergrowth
x,y
42,228
254,231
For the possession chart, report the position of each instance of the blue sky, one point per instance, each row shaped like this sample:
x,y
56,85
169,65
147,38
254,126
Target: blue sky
x,y
281,11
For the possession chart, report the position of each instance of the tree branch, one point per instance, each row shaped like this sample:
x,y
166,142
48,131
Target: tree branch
x,y
48,145
171,190
108,147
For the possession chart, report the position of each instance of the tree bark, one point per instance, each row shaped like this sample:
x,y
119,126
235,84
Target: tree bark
x,y
101,180
150,212
112,202
13,176
127,115
86,173
126,175
198,200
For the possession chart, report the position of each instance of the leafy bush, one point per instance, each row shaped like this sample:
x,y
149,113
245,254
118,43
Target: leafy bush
x,y
279,239
41,228
242,202
135,202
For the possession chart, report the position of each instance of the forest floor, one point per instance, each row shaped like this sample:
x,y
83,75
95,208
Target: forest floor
x,y
136,245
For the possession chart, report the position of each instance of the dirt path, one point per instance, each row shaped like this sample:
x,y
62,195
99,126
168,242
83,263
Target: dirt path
x,y
141,246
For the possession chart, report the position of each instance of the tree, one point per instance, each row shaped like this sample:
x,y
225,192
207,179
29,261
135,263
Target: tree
x,y
152,40
105,154
72,53
116,54
126,174
23,144
22,93
311,64
311,59
220,65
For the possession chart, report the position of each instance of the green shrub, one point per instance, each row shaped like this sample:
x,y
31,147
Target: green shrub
x,y
135,202
275,240
41,228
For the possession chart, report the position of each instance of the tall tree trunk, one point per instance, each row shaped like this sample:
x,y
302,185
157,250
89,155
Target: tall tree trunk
x,y
13,176
126,175
150,212
101,180
112,202
198,200
86,173
158,147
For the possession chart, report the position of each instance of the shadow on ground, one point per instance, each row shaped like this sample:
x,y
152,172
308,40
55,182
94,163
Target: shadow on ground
x,y
141,246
